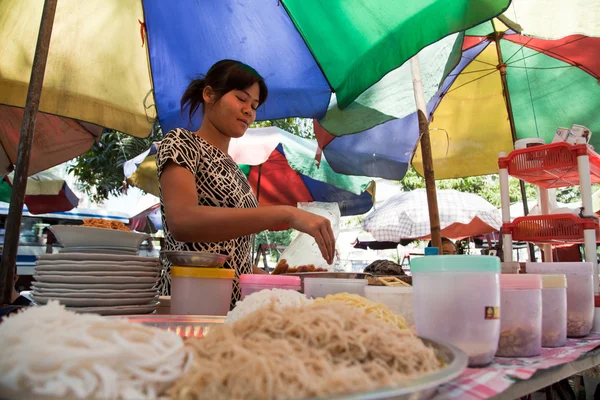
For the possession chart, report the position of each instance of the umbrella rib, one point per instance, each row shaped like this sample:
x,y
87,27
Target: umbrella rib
x,y
472,72
564,66
479,61
466,83
516,52
542,51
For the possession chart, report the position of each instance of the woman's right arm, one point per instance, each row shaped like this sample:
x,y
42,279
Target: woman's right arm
x,y
189,222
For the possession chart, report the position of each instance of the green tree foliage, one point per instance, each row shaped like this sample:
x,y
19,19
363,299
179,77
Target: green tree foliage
x,y
487,186
100,171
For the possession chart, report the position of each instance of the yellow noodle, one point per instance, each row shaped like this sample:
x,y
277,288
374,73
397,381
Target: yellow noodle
x,y
377,310
313,351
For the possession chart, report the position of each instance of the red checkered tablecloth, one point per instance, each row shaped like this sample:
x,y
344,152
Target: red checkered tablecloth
x,y
483,383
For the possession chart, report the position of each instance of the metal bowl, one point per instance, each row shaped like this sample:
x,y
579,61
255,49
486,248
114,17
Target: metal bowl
x,y
195,259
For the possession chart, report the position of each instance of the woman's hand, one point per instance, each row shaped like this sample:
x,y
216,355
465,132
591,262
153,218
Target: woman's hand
x,y
316,226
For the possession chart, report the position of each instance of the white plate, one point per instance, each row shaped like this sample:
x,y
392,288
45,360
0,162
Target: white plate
x,y
96,262
94,294
91,302
94,257
106,268
91,286
118,310
93,279
135,274
100,250
78,235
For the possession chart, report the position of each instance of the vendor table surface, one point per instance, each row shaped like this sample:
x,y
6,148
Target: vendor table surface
x,y
511,378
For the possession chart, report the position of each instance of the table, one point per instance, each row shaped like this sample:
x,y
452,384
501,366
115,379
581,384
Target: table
x,y
511,378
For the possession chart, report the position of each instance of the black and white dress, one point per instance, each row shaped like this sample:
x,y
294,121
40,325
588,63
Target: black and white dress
x,y
219,183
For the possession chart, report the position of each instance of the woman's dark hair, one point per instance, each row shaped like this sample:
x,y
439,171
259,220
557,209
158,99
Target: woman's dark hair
x,y
222,77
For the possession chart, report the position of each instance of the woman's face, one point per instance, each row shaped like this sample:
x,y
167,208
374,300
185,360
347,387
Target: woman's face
x,y
234,112
448,249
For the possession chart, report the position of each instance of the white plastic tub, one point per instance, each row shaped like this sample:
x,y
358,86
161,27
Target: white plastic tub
x,y
520,316
580,293
201,291
457,300
398,299
257,282
554,310
321,287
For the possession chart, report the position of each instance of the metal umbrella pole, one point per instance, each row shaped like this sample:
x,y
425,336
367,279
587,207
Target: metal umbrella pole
x,y
17,199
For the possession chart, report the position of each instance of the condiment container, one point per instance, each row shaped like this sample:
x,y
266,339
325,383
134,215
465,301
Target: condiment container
x,y
580,293
457,300
554,310
250,283
201,291
521,316
321,287
399,299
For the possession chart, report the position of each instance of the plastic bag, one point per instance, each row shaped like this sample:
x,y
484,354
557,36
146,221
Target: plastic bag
x,y
304,250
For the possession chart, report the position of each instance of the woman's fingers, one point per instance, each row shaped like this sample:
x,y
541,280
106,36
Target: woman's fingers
x,y
320,240
331,237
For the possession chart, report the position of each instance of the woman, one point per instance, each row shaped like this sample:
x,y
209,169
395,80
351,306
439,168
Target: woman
x,y
206,201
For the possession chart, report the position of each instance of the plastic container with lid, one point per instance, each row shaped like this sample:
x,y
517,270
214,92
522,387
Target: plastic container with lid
x,y
521,316
321,287
457,300
255,283
554,310
201,291
580,293
399,299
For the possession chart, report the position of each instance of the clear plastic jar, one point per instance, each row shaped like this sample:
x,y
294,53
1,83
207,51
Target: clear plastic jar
x,y
554,310
520,316
580,293
457,300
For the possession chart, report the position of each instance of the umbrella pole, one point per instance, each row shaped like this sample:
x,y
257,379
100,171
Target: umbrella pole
x,y
511,119
13,221
434,215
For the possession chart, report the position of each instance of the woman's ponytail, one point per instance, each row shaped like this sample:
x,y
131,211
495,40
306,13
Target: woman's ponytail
x,y
193,96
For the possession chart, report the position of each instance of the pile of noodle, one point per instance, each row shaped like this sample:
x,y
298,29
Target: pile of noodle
x,y
280,298
50,351
318,350
103,223
377,310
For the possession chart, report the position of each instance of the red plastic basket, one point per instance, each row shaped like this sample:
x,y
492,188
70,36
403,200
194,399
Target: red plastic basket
x,y
551,165
551,228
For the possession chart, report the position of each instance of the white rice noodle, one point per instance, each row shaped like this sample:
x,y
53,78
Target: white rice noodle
x,y
280,298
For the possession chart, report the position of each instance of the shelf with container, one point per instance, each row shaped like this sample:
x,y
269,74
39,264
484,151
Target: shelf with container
x,y
552,166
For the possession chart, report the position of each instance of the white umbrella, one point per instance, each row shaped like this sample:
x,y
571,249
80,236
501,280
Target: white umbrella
x,y
406,216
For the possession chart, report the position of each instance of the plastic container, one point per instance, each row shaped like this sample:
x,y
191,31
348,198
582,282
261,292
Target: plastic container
x,y
321,287
398,299
255,283
521,316
511,267
580,293
201,291
457,300
554,310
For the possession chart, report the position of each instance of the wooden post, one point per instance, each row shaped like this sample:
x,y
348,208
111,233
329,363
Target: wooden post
x,y
434,214
511,119
13,221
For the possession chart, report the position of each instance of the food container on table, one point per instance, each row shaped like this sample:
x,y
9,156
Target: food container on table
x,y
511,267
321,287
195,258
257,282
457,300
520,316
580,293
201,291
399,299
554,310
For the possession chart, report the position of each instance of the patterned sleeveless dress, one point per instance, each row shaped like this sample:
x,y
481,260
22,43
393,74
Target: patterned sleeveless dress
x,y
219,183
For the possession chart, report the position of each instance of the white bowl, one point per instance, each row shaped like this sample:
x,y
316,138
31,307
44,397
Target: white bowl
x,y
81,236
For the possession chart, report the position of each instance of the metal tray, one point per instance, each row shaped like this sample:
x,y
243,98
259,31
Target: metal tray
x,y
328,275
195,259
419,389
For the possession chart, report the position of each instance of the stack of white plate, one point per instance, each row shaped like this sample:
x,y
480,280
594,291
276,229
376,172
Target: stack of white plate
x,y
100,283
98,271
